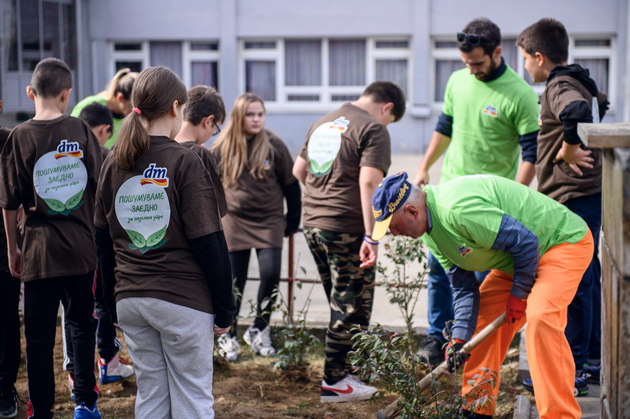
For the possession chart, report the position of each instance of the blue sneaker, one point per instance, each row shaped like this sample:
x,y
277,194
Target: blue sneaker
x,y
592,373
81,411
114,370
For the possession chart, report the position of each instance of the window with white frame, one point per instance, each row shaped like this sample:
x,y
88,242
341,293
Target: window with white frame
x,y
596,54
31,31
39,29
315,71
196,62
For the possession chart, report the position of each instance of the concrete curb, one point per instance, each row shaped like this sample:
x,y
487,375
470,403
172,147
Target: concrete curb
x,y
522,407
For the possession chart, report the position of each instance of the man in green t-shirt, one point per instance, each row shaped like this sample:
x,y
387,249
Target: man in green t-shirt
x,y
489,114
537,251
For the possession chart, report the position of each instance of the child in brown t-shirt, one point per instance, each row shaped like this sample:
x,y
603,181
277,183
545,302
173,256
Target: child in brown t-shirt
x,y
112,367
570,173
203,113
50,166
255,167
172,270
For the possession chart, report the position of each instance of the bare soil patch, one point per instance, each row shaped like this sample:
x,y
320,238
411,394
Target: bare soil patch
x,y
251,388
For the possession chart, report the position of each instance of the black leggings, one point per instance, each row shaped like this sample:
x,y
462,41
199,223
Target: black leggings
x,y
269,262
10,330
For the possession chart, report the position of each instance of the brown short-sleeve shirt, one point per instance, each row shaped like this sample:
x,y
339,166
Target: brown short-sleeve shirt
x,y
336,148
255,217
210,162
151,212
51,168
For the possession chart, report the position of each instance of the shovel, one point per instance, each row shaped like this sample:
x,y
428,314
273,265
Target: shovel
x,y
393,410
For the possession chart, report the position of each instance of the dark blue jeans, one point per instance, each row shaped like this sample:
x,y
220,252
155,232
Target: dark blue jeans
x,y
440,297
583,323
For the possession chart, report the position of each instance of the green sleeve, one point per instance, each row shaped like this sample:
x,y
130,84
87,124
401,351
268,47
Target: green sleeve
x,y
526,118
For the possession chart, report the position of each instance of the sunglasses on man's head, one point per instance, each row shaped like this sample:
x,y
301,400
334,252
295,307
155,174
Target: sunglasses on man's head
x,y
471,38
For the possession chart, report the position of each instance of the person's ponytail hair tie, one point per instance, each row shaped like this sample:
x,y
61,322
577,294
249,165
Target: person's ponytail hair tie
x,y
133,139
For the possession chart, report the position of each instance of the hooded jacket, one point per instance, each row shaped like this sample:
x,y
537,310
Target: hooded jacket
x,y
566,101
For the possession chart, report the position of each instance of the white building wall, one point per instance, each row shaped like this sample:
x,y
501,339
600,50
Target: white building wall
x,y
230,21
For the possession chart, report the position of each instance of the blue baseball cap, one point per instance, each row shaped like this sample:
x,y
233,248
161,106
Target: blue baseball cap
x,y
390,195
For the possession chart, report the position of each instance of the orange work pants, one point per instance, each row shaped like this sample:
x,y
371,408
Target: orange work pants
x,y
549,355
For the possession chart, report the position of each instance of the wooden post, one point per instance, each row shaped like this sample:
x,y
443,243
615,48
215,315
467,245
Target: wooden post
x,y
614,140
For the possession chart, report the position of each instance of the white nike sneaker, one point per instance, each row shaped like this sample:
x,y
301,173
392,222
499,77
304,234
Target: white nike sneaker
x,y
346,390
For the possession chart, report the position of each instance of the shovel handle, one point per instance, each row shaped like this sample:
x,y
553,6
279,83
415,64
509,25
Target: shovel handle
x,y
392,410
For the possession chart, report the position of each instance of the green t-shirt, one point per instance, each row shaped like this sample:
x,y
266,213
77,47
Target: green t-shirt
x,y
488,118
466,214
117,121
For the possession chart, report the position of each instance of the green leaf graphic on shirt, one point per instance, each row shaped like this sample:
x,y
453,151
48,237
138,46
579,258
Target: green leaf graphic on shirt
x,y
325,168
55,205
137,239
157,245
156,237
74,201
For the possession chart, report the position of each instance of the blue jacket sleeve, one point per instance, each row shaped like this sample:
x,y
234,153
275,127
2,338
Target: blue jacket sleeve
x,y
529,146
445,125
465,302
517,240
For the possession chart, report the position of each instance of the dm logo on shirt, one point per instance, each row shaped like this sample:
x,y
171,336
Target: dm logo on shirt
x,y
490,110
143,209
463,250
60,177
324,145
266,165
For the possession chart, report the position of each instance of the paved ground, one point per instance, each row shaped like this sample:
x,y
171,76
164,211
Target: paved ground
x,y
318,313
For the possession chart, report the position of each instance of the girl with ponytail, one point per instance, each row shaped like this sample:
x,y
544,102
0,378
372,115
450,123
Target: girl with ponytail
x,y
172,269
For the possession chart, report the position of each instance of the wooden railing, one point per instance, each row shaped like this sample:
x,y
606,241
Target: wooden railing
x,y
614,140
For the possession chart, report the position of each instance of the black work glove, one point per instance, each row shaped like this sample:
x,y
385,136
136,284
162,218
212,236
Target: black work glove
x,y
452,356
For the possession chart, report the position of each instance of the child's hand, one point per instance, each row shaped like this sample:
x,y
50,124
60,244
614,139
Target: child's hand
x,y
221,330
575,157
368,254
15,263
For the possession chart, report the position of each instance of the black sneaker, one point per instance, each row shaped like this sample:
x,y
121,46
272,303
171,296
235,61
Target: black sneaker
x,y
592,373
8,402
432,350
580,388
